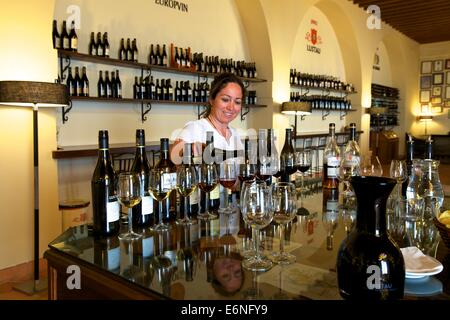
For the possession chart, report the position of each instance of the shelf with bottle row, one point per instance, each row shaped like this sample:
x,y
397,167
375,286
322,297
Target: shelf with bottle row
x,y
66,57
325,91
146,104
385,101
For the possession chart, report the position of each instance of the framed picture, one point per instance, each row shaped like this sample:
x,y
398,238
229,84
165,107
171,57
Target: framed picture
x,y
426,67
447,64
437,109
436,92
438,78
425,95
447,77
447,104
438,65
425,82
447,93
436,100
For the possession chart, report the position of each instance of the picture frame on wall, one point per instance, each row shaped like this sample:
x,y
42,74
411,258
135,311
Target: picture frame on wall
x,y
447,77
447,104
437,109
438,65
426,67
436,100
436,92
447,63
447,93
425,82
438,79
425,96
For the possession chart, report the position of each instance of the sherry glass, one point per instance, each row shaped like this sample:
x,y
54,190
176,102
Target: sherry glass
x,y
303,163
187,182
129,194
284,199
161,185
208,180
399,173
257,211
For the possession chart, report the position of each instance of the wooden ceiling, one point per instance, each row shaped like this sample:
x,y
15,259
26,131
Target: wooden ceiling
x,y
424,21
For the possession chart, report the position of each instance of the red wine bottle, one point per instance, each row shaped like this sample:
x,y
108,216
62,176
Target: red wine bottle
x,y
105,207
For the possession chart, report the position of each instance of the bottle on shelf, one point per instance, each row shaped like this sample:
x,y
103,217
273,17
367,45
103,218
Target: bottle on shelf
x,y
118,85
129,51
152,56
287,161
122,50
113,85
78,83
152,89
73,38
166,165
92,45
108,86
85,83
169,90
164,56
65,41
136,89
143,211
105,45
142,89
135,51
100,45
331,161
56,37
101,92
71,83
105,207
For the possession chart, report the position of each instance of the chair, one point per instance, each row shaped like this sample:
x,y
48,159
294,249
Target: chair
x,y
122,162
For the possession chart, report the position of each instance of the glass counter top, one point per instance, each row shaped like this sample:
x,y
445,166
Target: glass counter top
x,y
203,261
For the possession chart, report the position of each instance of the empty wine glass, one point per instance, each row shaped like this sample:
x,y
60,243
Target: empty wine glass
x,y
161,185
371,165
129,194
208,180
399,173
284,199
187,182
257,211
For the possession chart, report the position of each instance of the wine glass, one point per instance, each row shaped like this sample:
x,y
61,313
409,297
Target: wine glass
x,y
303,163
284,198
228,173
399,173
161,185
370,165
129,194
257,211
187,182
208,180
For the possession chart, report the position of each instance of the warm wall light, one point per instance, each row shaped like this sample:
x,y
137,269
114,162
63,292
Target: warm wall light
x,y
425,118
34,94
296,108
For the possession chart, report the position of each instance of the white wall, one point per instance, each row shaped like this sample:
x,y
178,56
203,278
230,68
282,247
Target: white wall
x,y
383,74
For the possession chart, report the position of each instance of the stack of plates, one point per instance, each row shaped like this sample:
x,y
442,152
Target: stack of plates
x,y
419,265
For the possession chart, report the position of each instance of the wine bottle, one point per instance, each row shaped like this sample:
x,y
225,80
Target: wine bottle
x,y
73,38
56,36
192,202
65,42
143,88
136,89
164,56
113,85
108,87
151,57
105,207
169,91
331,160
209,155
101,86
428,149
351,152
118,85
152,89
129,51
77,83
143,211
100,45
135,52
92,45
85,83
105,45
122,50
71,83
159,58
287,163
168,167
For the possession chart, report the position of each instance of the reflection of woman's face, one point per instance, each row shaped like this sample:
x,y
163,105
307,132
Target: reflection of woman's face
x,y
227,103
228,273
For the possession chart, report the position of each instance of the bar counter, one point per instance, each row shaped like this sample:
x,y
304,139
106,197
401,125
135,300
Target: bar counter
x,y
203,261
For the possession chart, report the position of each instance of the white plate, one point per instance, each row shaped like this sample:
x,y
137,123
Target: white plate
x,y
417,275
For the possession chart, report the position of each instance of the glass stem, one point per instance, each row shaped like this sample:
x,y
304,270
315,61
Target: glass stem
x,y
399,191
302,182
160,240
206,202
281,238
130,220
160,212
186,208
254,236
225,200
257,256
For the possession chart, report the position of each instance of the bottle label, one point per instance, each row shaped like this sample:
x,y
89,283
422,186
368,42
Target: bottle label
x,y
333,166
193,198
100,51
86,89
113,258
169,181
107,52
147,205
351,160
66,44
333,206
74,43
108,91
165,61
112,210
57,42
147,247
215,193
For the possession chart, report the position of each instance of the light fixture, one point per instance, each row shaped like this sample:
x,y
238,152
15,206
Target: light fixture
x,y
296,108
34,94
425,118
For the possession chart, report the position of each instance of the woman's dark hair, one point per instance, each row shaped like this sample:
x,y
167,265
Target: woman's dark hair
x,y
220,82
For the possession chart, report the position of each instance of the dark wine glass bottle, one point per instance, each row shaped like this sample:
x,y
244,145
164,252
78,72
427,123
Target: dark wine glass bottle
x,y
287,163
105,207
143,211
370,265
